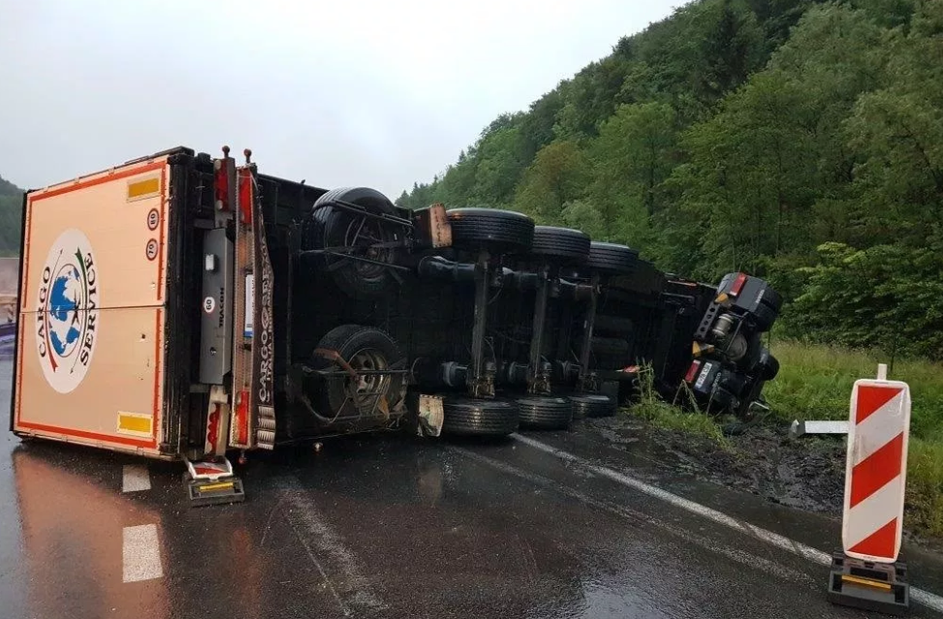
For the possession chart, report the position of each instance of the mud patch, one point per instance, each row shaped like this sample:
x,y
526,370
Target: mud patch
x,y
806,473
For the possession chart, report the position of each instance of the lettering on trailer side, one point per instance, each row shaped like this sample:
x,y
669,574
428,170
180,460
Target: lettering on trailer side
x,y
67,316
262,310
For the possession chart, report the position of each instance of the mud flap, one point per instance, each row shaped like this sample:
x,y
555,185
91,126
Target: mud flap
x,y
213,483
431,415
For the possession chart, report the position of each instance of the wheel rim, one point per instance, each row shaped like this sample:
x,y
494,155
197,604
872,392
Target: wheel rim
x,y
364,389
363,233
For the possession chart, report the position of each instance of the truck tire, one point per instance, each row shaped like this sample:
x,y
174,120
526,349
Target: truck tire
x,y
331,227
768,365
560,245
764,316
470,417
363,348
545,413
611,258
592,405
772,298
491,229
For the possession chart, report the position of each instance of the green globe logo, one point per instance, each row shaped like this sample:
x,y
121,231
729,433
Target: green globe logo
x,y
67,317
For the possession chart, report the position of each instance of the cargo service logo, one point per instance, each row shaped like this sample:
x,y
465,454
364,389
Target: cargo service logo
x,y
67,312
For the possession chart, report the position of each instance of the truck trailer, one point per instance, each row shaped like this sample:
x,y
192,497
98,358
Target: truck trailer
x,y
186,307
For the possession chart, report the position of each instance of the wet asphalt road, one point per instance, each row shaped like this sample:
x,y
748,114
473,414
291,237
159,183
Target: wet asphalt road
x,y
393,527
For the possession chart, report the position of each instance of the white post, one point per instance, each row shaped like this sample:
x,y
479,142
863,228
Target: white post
x,y
882,371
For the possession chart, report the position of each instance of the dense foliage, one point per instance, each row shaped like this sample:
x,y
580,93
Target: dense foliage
x,y
11,207
795,139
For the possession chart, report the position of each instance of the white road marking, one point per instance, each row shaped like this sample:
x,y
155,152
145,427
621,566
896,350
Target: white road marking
x,y
327,551
734,554
926,598
140,553
135,478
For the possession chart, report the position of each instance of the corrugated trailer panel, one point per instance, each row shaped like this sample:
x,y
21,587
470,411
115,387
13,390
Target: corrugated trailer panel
x,y
91,325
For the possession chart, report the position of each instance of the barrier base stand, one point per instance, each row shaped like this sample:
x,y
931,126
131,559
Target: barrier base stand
x,y
212,482
878,587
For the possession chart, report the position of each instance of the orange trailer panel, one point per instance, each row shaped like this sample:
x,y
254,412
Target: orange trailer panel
x,y
91,324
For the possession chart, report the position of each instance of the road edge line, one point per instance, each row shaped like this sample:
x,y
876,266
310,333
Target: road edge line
x,y
931,600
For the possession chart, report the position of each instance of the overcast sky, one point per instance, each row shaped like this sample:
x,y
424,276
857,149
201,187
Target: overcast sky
x,y
339,93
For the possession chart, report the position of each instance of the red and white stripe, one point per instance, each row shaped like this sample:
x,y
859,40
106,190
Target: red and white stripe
x,y
876,470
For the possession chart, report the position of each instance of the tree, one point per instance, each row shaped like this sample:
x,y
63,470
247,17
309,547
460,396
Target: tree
x,y
634,153
500,164
557,176
11,207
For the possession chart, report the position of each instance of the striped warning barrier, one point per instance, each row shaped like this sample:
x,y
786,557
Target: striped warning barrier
x,y
876,469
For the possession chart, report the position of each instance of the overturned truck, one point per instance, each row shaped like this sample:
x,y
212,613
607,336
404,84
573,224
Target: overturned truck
x,y
180,307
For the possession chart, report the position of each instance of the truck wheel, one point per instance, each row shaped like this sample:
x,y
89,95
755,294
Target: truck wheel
x,y
470,417
773,299
334,228
611,258
768,365
560,245
492,229
592,405
764,316
545,413
362,348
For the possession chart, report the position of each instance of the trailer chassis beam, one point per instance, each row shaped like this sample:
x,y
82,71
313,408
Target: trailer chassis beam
x,y
480,380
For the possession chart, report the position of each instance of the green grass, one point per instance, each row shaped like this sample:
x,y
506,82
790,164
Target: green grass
x,y
815,382
664,415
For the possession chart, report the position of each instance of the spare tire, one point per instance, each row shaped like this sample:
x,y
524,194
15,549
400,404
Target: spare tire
x,y
362,348
560,245
611,258
492,229
545,413
592,405
470,417
330,227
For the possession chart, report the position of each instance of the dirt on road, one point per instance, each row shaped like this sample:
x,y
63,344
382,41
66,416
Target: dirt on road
x,y
805,473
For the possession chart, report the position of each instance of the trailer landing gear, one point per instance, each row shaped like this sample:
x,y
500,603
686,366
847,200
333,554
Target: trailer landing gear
x,y
212,482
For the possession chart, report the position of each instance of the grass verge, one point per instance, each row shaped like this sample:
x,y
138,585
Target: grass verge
x,y
665,415
815,382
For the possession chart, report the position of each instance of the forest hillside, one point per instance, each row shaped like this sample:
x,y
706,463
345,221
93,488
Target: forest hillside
x,y
801,141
